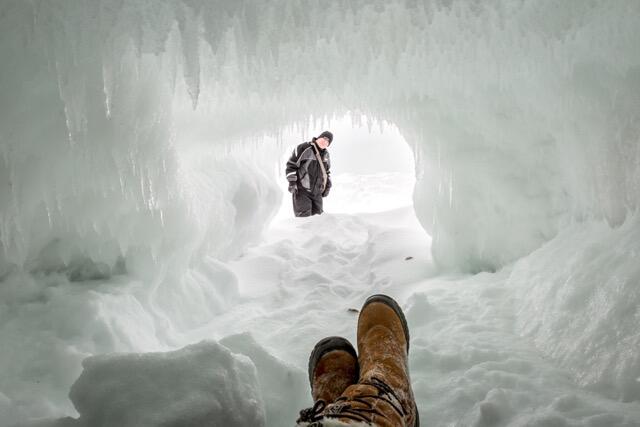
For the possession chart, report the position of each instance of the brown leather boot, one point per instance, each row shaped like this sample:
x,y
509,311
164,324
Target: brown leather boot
x,y
333,366
383,396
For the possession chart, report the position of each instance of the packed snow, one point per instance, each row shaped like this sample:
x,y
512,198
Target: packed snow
x,y
191,386
486,170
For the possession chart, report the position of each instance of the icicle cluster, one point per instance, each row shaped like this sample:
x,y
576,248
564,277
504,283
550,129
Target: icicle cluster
x,y
524,114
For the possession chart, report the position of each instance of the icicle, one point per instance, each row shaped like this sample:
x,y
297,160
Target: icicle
x,y
189,25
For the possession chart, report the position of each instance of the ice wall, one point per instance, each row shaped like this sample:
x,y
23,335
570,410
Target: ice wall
x,y
528,119
114,212
91,154
524,113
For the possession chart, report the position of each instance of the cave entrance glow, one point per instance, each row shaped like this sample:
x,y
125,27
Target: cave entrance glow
x,y
372,166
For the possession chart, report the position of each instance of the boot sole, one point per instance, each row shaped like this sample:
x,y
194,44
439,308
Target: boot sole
x,y
390,302
326,345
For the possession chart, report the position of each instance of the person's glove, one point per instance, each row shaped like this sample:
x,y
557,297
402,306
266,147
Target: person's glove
x,y
325,193
293,187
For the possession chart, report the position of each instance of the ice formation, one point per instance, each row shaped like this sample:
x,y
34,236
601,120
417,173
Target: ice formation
x,y
524,118
132,166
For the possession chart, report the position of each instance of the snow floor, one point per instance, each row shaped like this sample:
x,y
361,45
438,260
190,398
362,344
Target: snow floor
x,y
468,365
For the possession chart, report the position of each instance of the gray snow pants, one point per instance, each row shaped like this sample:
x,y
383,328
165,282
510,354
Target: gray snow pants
x,y
306,203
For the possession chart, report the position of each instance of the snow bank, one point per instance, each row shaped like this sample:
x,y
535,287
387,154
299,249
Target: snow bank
x,y
235,382
51,327
202,384
49,323
285,388
471,367
580,303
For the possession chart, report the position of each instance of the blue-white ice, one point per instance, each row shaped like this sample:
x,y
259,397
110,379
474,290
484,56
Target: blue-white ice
x,y
141,147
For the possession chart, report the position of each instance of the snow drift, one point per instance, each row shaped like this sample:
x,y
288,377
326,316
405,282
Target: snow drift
x,y
187,387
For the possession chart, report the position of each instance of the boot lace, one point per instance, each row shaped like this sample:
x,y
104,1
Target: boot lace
x,y
312,414
341,409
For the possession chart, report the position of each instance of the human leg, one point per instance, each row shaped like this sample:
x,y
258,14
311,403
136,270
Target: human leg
x,y
302,204
316,204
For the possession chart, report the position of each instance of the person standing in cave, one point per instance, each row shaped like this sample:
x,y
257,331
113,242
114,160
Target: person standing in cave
x,y
308,175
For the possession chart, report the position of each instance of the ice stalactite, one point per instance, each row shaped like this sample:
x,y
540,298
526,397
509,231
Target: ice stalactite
x,y
555,96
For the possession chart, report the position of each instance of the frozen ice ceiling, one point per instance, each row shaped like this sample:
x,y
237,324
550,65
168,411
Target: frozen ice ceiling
x,y
524,116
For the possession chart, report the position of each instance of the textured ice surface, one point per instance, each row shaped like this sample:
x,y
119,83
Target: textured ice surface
x,y
523,114
581,304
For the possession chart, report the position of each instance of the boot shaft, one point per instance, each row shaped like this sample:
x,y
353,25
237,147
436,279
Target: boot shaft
x,y
333,373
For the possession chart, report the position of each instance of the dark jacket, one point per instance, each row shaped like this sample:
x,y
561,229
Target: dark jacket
x,y
304,169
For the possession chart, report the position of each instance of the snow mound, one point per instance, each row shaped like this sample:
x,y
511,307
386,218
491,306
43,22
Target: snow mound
x,y
469,367
582,304
285,387
53,323
201,384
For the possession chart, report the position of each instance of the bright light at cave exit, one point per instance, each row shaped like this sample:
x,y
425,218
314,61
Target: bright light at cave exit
x,y
372,166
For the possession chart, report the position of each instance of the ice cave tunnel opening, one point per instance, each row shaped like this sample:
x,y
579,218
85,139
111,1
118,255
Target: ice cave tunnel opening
x,y
372,165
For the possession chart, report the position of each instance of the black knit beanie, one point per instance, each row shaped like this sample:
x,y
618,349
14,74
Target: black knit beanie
x,y
326,134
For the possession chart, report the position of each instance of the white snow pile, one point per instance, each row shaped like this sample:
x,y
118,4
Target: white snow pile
x,y
201,384
281,385
580,303
48,324
233,382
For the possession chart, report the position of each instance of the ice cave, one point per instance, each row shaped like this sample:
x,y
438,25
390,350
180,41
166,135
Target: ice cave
x,y
487,176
